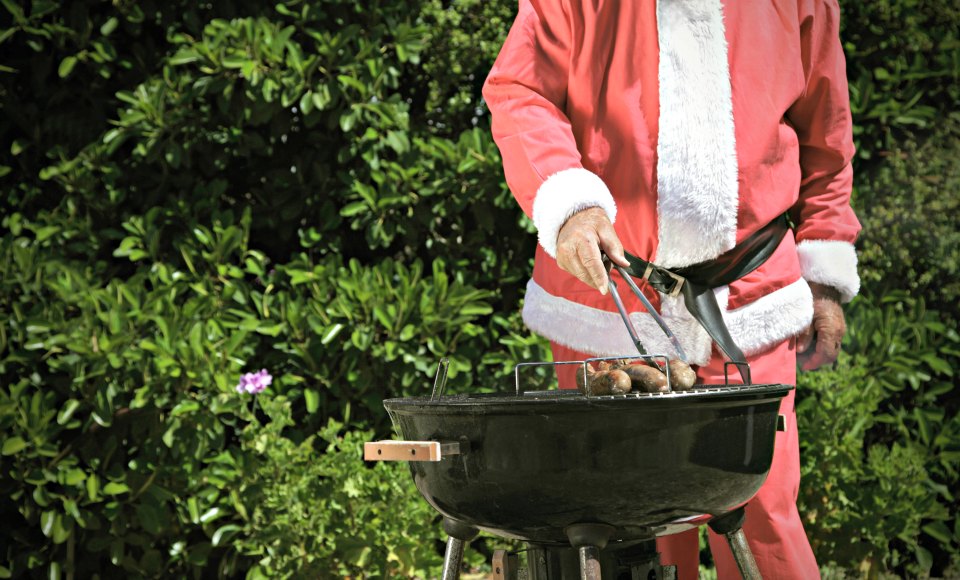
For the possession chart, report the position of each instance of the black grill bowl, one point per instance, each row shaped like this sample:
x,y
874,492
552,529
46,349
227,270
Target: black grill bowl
x,y
646,464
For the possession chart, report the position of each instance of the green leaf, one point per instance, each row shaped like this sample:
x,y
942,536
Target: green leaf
x,y
306,103
13,445
312,399
109,26
93,486
924,558
398,141
937,364
185,56
247,70
47,232
408,332
210,515
184,407
71,507
476,310
47,521
66,66
348,120
355,551
74,476
353,83
940,532
331,333
193,510
322,97
271,329
381,315
66,413
235,61
269,89
224,534
353,208
115,488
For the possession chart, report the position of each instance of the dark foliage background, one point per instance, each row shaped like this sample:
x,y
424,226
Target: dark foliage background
x,y
191,191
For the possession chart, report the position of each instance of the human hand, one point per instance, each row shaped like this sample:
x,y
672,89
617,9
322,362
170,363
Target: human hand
x,y
819,343
579,242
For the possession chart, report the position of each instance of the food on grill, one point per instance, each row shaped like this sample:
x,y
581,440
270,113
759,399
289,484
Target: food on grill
x,y
620,364
617,381
647,379
604,382
682,377
609,365
643,376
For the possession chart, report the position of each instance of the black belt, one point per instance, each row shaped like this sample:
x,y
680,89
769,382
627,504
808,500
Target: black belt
x,y
696,283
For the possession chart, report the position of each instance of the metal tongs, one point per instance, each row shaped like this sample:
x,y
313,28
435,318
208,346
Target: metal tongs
x,y
646,304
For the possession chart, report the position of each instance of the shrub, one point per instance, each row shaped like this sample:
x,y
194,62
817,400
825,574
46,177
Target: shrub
x,y
881,460
903,64
908,207
315,510
259,199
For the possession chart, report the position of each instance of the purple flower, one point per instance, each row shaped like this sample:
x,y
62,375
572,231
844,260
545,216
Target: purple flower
x,y
253,383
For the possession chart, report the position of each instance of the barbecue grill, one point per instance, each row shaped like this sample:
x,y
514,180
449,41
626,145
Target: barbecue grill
x,y
544,466
588,482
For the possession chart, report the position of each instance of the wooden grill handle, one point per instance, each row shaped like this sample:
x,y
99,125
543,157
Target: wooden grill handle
x,y
409,450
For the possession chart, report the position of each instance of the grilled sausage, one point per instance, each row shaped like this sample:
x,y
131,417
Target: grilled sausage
x,y
608,382
647,379
609,365
612,382
682,377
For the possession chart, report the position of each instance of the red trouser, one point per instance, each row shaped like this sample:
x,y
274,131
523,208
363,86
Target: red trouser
x,y
773,527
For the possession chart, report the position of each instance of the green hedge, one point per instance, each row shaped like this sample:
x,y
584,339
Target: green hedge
x,y
195,191
881,449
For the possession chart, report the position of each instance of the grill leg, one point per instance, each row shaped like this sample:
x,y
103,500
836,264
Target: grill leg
x,y
589,539
731,526
459,535
452,559
743,555
589,563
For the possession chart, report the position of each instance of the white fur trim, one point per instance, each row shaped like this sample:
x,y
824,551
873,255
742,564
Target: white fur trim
x,y
697,184
831,263
754,327
587,329
770,319
563,194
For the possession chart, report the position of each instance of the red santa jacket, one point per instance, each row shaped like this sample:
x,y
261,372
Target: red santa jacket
x,y
692,123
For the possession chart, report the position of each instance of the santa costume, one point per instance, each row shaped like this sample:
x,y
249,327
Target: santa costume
x,y
693,124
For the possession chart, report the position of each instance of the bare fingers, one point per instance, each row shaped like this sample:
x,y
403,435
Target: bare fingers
x,y
579,246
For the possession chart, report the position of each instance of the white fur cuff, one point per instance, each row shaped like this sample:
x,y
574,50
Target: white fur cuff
x,y
831,263
563,194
